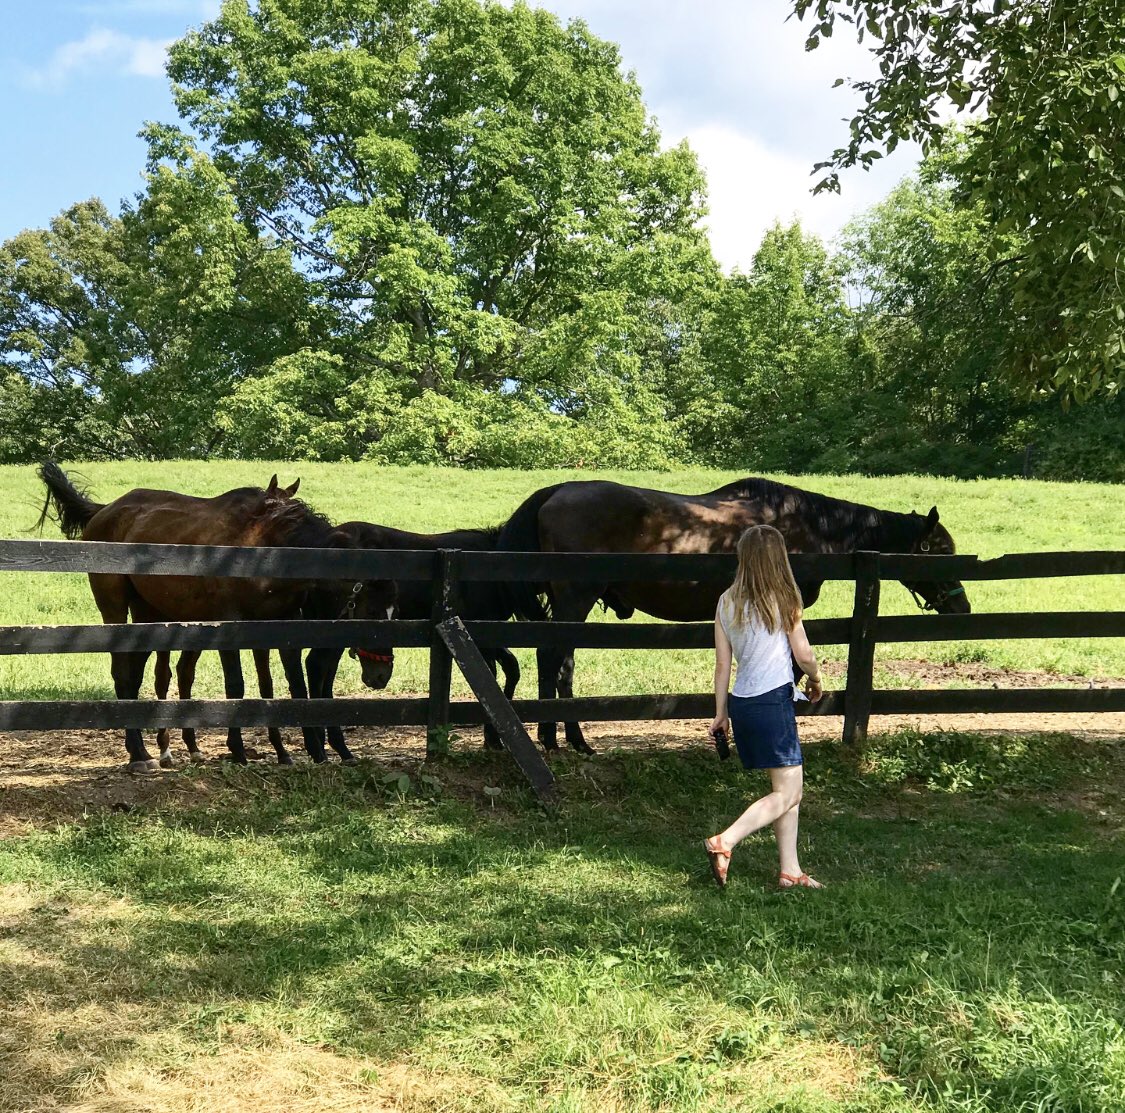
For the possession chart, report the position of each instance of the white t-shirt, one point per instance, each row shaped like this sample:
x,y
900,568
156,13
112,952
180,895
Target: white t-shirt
x,y
764,660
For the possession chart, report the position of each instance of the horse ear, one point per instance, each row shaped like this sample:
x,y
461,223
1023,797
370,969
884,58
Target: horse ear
x,y
291,490
271,490
932,518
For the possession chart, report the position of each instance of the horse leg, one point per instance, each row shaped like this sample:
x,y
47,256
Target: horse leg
x,y
572,603
548,662
322,665
185,681
511,666
234,687
112,595
574,736
128,671
265,690
161,682
295,678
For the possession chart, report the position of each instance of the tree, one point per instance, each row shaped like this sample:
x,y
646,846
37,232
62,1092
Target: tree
x,y
778,350
120,335
473,185
1046,163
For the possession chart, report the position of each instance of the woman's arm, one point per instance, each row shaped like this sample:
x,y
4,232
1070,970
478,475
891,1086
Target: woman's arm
x,y
804,656
722,675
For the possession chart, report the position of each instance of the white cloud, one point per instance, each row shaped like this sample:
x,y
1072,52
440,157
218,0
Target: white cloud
x,y
752,184
101,51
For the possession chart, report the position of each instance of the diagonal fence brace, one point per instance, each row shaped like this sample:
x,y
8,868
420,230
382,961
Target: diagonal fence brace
x,y
497,707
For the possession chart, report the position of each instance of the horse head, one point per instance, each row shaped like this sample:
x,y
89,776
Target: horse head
x,y
934,539
367,599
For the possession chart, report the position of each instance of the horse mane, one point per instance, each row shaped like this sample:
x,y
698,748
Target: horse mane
x,y
296,524
854,524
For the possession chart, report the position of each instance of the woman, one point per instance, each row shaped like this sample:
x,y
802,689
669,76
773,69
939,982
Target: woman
x,y
758,622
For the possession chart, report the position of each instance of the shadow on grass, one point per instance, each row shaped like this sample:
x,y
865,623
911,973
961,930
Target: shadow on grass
x,y
380,925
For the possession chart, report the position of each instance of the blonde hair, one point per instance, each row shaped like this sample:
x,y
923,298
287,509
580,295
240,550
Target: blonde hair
x,y
763,585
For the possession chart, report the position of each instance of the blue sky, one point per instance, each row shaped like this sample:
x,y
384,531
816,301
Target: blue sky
x,y
78,78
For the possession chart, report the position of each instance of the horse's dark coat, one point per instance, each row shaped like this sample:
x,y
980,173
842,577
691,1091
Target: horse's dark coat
x,y
477,600
607,517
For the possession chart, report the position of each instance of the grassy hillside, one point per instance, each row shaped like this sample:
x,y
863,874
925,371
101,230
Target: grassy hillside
x,y
988,517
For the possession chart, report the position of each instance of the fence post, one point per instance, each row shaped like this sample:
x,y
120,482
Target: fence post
x,y
861,648
444,596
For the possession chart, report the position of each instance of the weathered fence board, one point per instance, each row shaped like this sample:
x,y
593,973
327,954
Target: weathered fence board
x,y
447,569
155,636
629,635
224,561
989,627
496,707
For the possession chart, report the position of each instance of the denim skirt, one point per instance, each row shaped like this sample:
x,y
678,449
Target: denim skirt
x,y
765,729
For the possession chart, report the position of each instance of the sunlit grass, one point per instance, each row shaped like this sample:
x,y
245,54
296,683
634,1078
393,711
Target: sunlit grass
x,y
349,948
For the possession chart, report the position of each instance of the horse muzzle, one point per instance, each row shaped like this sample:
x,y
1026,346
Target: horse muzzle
x,y
376,666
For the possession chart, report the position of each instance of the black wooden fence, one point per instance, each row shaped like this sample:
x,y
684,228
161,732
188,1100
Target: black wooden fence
x,y
446,638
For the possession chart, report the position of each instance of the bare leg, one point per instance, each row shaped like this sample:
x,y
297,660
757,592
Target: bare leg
x,y
780,807
788,782
185,681
265,690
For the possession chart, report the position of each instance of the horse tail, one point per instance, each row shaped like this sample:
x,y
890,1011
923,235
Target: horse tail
x,y
520,534
73,506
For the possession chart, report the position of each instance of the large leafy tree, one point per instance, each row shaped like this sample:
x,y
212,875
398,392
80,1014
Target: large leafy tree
x,y
120,335
1046,165
778,352
476,187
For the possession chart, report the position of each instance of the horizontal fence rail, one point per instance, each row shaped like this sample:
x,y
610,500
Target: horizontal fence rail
x,y
449,572
408,564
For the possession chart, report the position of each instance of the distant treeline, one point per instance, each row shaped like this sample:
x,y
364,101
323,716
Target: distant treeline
x,y
451,236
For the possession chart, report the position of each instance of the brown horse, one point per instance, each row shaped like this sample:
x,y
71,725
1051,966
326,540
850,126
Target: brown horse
x,y
247,516
188,660
605,517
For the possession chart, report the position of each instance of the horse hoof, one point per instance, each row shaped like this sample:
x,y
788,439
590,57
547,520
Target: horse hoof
x,y
353,760
148,768
284,759
197,758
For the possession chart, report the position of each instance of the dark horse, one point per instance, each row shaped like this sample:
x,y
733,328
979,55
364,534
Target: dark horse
x,y
478,601
604,517
245,516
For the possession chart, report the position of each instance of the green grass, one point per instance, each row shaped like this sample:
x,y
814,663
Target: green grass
x,y
988,517
968,956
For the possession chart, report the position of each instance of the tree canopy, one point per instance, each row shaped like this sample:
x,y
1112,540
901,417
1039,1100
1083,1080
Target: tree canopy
x,y
447,231
1046,162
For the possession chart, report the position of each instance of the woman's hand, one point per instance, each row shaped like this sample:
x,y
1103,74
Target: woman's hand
x,y
720,722
814,688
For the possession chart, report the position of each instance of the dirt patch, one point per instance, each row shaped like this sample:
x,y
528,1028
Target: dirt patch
x,y
60,776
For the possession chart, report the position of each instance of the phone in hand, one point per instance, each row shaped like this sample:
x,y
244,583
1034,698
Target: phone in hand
x,y
719,737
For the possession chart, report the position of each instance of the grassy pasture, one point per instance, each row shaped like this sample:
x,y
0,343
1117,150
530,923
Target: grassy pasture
x,y
320,940
988,517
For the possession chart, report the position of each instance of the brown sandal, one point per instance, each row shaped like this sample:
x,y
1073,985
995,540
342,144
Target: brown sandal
x,y
719,859
800,881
